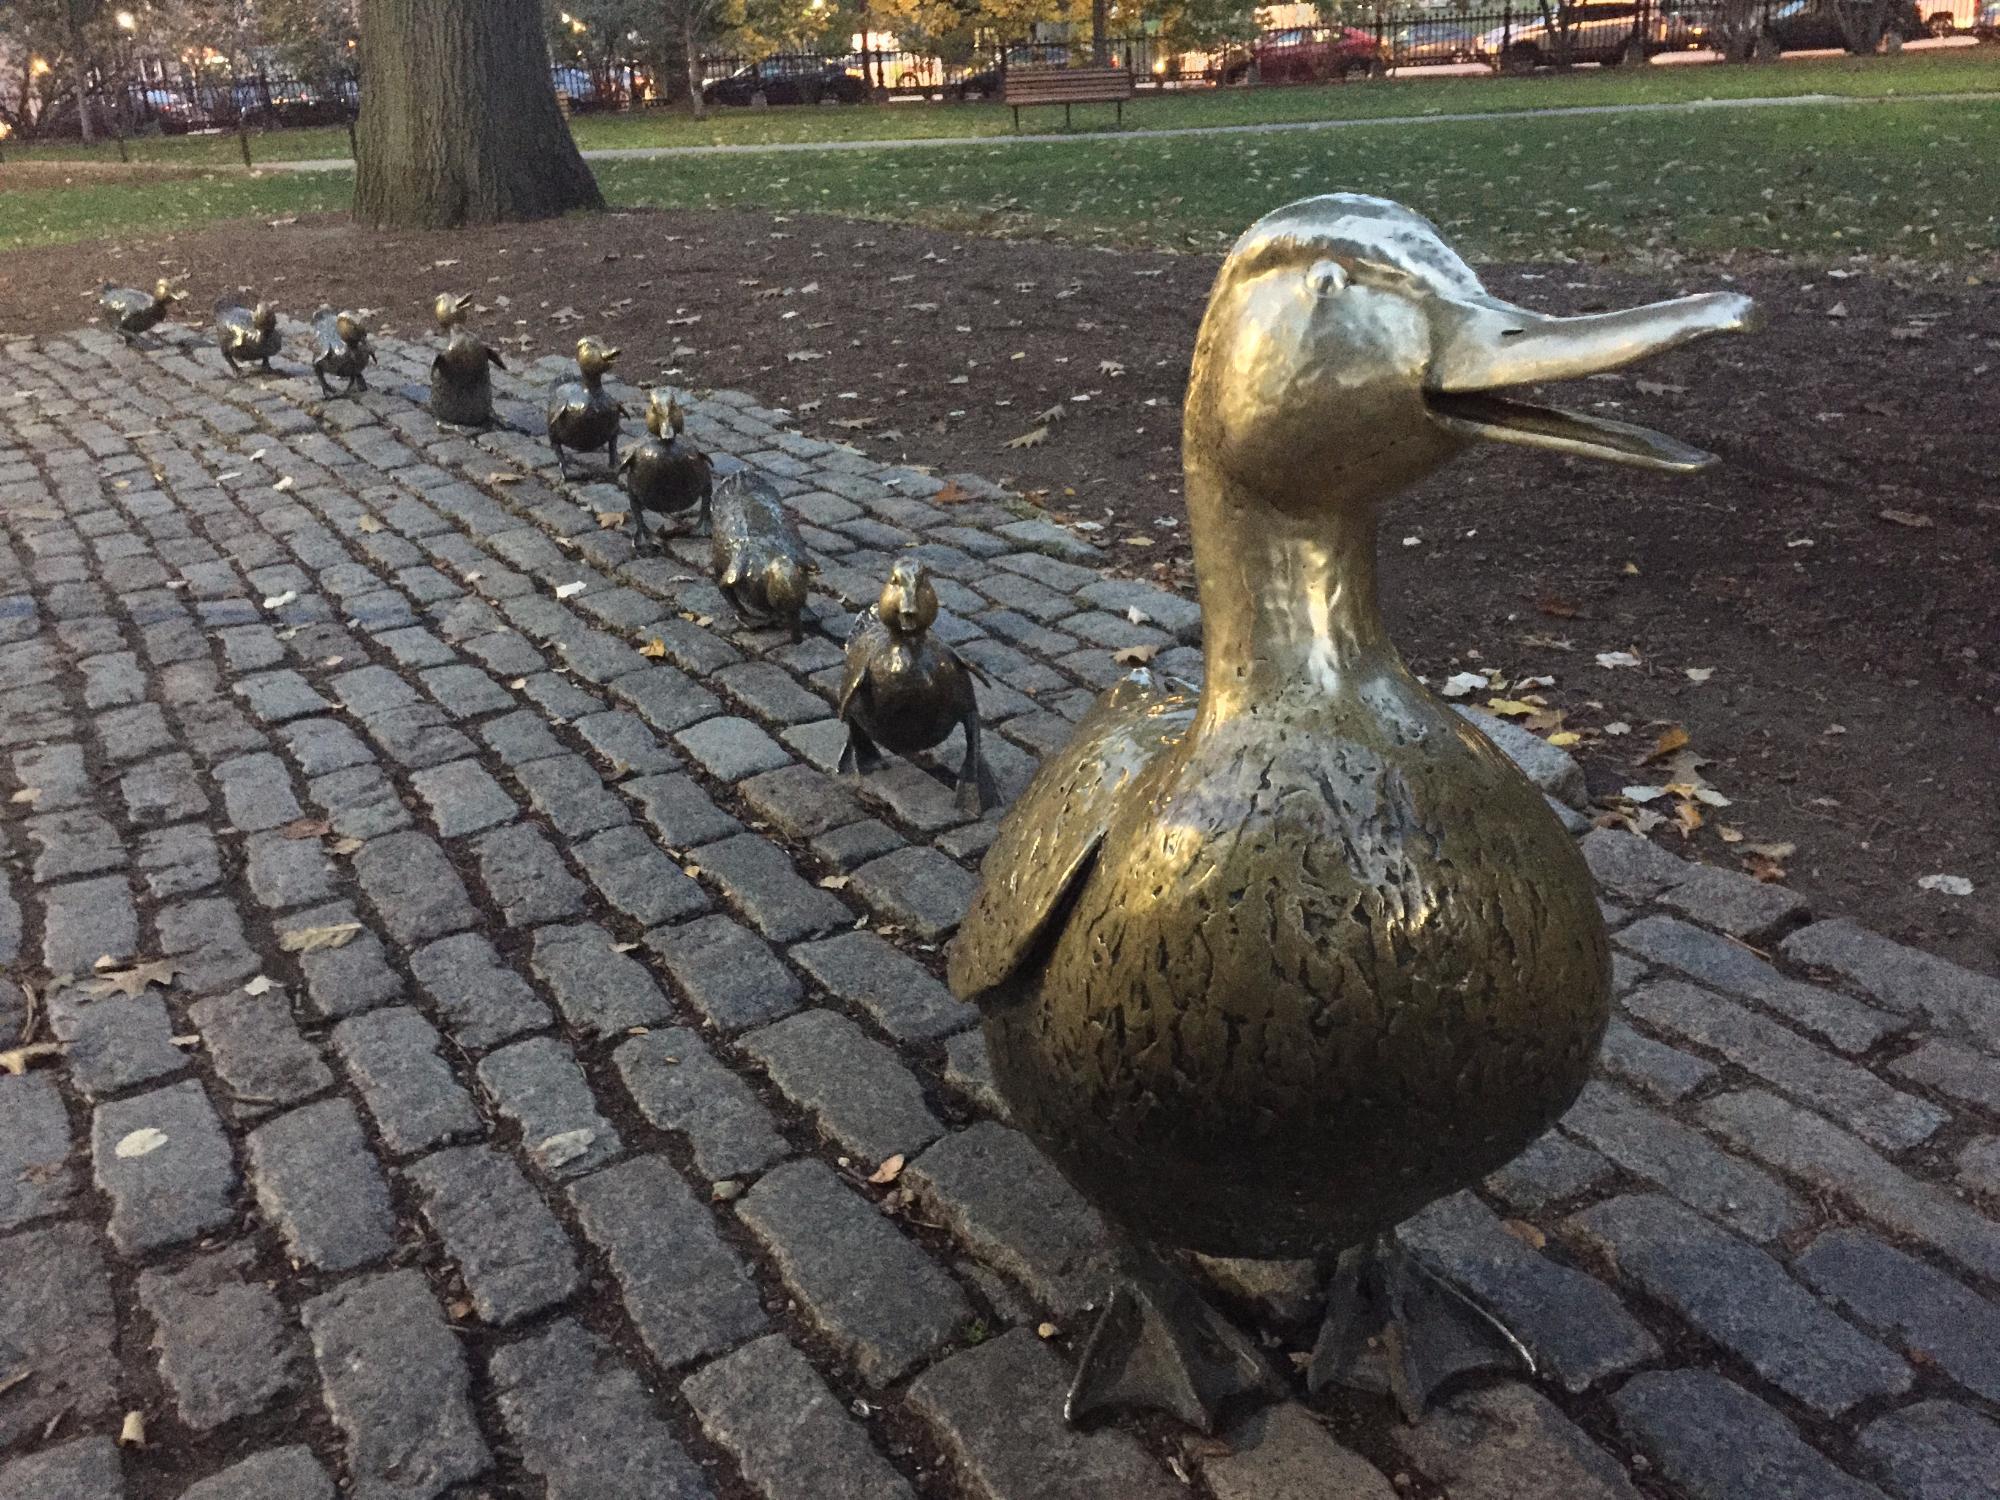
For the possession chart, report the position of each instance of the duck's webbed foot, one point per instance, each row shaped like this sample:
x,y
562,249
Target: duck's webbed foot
x,y
1386,1308
977,790
1158,1346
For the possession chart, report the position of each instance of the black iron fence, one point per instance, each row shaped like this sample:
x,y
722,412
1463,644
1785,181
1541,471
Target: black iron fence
x,y
1511,36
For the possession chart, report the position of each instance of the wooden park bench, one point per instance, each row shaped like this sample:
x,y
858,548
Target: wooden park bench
x,y
1066,86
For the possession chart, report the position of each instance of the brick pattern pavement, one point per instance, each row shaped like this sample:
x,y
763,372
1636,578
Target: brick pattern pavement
x,y
557,1176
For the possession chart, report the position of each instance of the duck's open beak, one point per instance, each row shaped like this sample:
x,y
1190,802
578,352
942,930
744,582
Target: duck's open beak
x,y
1484,345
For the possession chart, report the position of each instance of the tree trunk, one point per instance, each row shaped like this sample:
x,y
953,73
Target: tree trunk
x,y
459,123
691,51
1100,23
79,66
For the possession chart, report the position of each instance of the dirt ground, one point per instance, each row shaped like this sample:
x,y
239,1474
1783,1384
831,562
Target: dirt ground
x,y
1820,614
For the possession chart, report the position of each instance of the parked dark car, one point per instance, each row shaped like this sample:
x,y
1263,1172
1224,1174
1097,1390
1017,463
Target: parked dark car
x,y
1811,26
1308,54
788,80
1592,31
1428,41
987,82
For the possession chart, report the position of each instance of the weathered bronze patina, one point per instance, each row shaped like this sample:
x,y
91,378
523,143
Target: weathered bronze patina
x,y
1267,969
906,690
246,334
462,373
666,475
759,558
582,415
341,348
131,312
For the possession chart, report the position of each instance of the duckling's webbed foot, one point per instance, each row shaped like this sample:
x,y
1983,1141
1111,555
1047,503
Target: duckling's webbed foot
x,y
1158,1346
977,791
1390,1318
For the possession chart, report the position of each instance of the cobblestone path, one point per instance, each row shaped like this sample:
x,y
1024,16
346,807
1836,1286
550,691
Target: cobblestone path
x,y
544,1029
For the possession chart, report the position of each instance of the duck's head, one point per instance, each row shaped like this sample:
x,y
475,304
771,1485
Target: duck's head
x,y
1347,350
351,328
909,604
595,358
451,311
163,291
784,585
264,317
664,417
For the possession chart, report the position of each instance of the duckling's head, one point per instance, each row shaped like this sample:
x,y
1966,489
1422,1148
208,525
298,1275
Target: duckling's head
x,y
163,291
450,311
351,328
909,604
784,585
264,317
1348,350
595,358
664,418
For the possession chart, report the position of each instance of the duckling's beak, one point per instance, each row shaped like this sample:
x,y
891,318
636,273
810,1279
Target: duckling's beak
x,y
1482,345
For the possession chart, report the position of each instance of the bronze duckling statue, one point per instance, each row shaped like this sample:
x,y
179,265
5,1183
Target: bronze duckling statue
x,y
1268,969
759,557
581,415
666,475
246,334
462,373
341,347
906,690
131,312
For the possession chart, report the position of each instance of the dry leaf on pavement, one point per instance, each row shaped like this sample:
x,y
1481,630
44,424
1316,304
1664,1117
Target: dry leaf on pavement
x,y
888,1172
318,939
132,982
17,1060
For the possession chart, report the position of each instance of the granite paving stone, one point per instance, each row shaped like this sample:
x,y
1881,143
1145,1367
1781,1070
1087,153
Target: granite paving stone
x,y
226,1347
1959,1072
414,887
859,1092
36,1180
396,1383
759,880
539,1087
1937,1450
881,1300
730,749
57,1327
346,980
1574,1325
479,1000
1283,1452
568,791
511,1253
292,1473
898,993
686,1291
599,990
1907,980
917,888
1006,1201
85,921
84,1469
257,793
257,1050
678,1085
726,972
163,1159
319,1183
1744,1300
680,812
1713,1440
114,1042
631,873
584,1420
1508,1441
1665,1072
997,1411
1551,1169
409,1090
766,1406
526,877
462,798
284,872
1921,1309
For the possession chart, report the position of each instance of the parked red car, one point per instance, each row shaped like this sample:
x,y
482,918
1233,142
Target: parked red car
x,y
1309,55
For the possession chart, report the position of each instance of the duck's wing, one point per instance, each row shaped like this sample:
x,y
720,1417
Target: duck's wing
x,y
862,643
1051,838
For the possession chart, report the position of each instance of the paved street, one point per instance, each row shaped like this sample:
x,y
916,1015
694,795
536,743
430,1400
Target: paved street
x,y
475,1049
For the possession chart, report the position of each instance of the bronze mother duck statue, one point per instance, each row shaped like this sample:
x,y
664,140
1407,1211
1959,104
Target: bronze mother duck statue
x,y
1267,970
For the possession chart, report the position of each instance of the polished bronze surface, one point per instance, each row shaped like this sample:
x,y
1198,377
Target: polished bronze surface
x,y
462,373
1267,969
906,690
581,414
759,558
665,474
341,347
246,334
131,312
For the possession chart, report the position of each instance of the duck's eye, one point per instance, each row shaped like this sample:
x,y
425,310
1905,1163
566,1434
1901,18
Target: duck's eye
x,y
1326,278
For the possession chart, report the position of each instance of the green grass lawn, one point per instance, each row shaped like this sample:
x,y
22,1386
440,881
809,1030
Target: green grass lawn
x,y
1909,177
1959,70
